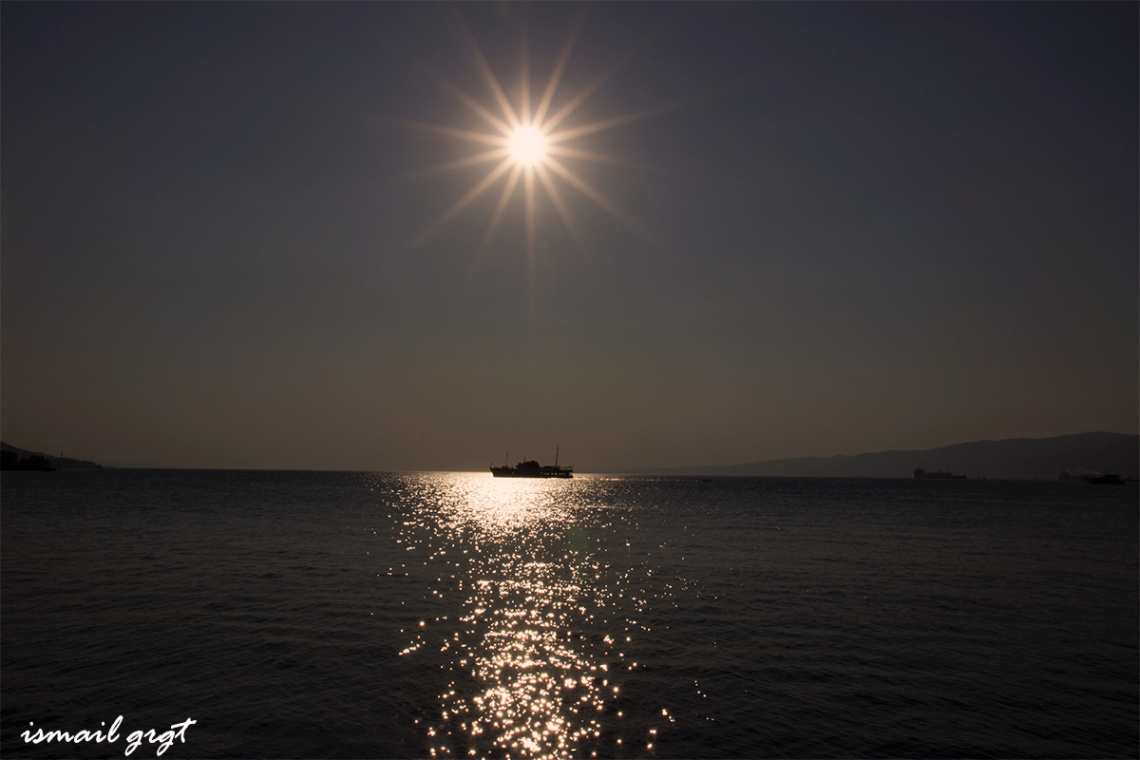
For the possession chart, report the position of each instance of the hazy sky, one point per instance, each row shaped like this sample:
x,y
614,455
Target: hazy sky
x,y
818,229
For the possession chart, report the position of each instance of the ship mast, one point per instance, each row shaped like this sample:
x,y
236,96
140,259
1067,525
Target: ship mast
x,y
555,455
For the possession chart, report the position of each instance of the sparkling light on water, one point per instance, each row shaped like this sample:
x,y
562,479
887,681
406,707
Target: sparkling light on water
x,y
533,655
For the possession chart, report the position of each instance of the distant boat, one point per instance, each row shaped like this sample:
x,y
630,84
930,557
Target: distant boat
x,y
1109,478
532,469
940,475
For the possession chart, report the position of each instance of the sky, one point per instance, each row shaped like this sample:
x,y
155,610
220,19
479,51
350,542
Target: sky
x,y
231,238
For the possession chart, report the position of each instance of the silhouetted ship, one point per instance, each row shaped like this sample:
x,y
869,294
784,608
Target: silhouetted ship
x,y
532,469
1107,479
940,475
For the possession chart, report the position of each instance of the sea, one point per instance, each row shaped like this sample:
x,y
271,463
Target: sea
x,y
268,614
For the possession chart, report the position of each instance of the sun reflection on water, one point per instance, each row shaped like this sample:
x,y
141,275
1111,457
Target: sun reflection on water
x,y
533,652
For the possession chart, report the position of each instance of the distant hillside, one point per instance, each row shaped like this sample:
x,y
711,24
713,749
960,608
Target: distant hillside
x,y
58,463
1015,459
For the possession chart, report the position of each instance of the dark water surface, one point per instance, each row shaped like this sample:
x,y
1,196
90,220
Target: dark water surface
x,y
453,614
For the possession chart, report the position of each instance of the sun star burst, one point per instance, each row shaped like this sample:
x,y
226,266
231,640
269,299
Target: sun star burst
x,y
526,143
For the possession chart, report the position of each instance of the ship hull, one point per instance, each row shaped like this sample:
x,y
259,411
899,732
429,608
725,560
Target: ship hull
x,y
1108,479
518,472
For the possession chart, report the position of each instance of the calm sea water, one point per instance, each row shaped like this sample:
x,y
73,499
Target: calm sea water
x,y
457,615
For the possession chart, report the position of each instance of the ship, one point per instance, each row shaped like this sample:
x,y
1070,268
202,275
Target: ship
x,y
1107,479
940,475
532,469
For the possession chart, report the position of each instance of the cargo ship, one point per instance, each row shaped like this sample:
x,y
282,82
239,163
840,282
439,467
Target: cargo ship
x,y
941,474
532,469
1107,479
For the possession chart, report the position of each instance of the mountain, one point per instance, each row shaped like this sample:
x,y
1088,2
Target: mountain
x,y
59,463
1014,459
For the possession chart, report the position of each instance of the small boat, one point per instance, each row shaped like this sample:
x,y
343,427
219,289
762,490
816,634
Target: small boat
x,y
940,475
532,469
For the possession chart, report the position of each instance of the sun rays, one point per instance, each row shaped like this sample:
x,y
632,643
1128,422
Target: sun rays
x,y
528,147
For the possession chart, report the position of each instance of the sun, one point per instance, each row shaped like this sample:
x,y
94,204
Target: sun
x,y
527,146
